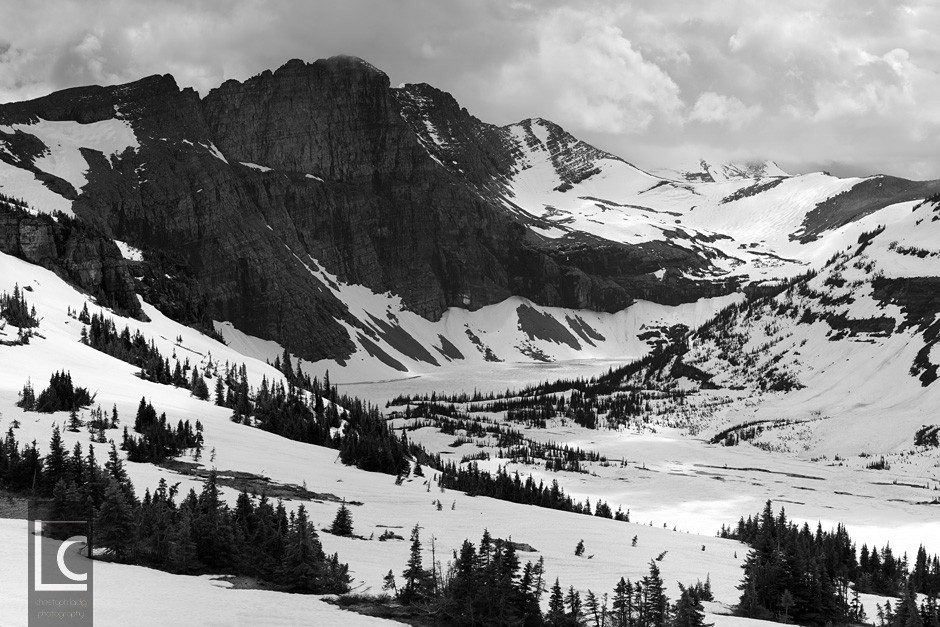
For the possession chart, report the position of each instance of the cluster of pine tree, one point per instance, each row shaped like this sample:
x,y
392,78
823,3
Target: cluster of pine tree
x,y
98,423
199,534
506,487
296,375
360,432
158,439
928,435
645,604
481,587
16,311
794,574
511,444
622,396
907,613
20,469
60,395
102,334
882,573
13,204
486,585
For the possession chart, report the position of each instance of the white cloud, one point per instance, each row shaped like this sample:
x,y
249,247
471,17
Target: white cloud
x,y
816,80
712,107
585,73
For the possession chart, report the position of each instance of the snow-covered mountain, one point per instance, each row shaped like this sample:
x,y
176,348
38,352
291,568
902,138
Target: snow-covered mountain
x,y
389,237
438,240
514,243
709,170
666,481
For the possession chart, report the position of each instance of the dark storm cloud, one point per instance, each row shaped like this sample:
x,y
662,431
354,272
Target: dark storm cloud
x,y
806,83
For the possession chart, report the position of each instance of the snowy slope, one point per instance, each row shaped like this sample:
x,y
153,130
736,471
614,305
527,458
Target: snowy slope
x,y
715,170
122,591
394,342
239,447
743,220
655,485
854,342
61,157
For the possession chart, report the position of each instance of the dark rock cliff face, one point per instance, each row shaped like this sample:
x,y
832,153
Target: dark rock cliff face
x,y
356,184
80,255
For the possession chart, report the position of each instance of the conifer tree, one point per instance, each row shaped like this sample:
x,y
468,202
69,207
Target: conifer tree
x,y
342,523
621,604
115,468
56,461
219,392
657,604
415,576
573,601
182,556
198,386
594,609
75,423
688,611
115,529
388,582
556,606
66,501
27,397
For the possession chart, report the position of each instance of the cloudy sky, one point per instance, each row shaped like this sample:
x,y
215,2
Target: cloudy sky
x,y
847,86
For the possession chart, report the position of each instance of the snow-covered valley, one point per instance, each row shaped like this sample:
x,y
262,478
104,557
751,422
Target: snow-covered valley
x,y
732,334
679,490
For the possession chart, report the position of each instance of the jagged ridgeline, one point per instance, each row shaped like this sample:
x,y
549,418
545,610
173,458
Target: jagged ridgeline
x,y
238,198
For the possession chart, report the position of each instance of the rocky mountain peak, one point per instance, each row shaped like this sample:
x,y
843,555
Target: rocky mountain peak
x,y
248,196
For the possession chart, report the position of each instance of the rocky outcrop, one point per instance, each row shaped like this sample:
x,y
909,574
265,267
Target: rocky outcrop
x,y
860,200
237,196
86,258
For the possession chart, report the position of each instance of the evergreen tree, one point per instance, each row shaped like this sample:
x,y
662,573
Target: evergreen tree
x,y
594,609
657,604
115,468
305,568
198,386
115,529
182,556
27,397
415,576
388,582
67,501
622,603
573,601
556,607
689,611
219,392
56,461
75,423
342,523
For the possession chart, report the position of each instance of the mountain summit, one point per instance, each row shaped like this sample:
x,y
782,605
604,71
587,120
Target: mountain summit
x,y
261,205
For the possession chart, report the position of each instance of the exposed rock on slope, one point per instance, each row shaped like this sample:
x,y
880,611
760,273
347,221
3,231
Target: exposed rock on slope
x,y
247,189
79,254
242,199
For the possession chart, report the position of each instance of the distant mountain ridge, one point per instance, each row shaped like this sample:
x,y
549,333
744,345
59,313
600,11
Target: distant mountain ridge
x,y
708,171
245,200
